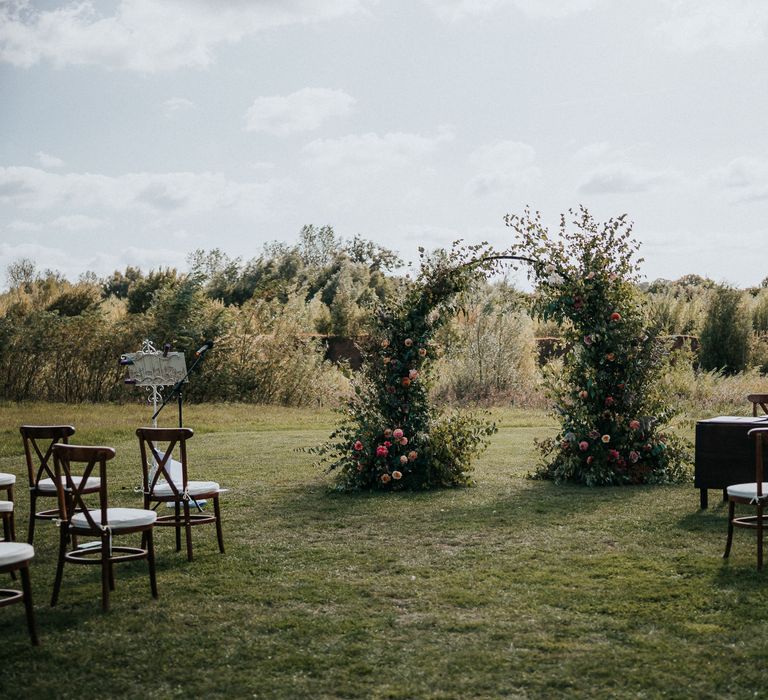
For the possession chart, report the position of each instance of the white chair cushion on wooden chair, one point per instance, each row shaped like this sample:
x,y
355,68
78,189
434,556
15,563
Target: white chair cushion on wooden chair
x,y
6,506
7,479
118,518
194,488
748,490
15,552
48,486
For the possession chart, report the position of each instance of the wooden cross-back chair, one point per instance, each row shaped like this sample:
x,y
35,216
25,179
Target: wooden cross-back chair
x,y
753,493
103,523
166,480
15,556
38,450
758,400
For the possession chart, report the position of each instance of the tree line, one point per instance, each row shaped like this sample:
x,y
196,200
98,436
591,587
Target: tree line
x,y
61,340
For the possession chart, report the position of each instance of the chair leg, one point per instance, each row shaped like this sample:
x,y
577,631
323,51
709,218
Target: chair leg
x,y
27,588
759,537
12,519
111,576
217,513
7,536
32,518
106,565
178,525
148,538
188,529
729,541
60,564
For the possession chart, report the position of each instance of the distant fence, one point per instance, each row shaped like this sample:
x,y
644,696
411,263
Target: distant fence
x,y
347,349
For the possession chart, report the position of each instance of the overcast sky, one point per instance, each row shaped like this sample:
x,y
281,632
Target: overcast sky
x,y
135,131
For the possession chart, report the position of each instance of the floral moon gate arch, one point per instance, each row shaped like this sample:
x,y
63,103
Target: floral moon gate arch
x,y
391,437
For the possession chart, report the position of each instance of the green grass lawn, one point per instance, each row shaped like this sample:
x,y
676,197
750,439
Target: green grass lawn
x,y
513,588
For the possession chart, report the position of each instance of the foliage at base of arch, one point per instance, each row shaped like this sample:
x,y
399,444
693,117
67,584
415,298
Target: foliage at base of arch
x,y
391,437
614,419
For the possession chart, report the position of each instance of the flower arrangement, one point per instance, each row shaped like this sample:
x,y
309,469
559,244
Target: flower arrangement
x,y
390,436
607,397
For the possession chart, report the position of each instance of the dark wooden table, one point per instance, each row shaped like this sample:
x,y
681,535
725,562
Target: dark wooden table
x,y
724,453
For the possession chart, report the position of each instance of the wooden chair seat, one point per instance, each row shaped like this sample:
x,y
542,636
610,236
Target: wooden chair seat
x,y
118,519
753,494
16,556
198,489
48,487
166,480
7,480
103,523
38,445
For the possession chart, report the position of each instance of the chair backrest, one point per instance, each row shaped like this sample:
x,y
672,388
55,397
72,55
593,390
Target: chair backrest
x,y
157,446
759,435
70,491
38,445
758,400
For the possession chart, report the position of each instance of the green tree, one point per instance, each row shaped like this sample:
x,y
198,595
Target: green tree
x,y
726,332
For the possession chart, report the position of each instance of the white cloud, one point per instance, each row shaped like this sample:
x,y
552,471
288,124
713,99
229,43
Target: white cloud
x,y
502,167
49,161
727,24
372,151
176,104
457,10
183,192
623,178
146,35
745,179
304,110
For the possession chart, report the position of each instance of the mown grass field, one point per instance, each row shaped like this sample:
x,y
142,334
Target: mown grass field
x,y
514,588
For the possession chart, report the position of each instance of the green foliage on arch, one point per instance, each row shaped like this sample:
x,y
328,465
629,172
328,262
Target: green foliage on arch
x,y
391,436
614,418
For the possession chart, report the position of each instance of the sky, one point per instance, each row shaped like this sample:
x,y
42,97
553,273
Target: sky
x,y
133,132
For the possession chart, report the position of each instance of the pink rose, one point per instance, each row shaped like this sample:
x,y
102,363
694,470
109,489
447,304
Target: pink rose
x,y
594,434
583,394
590,459
387,444
634,456
413,456
614,454
388,433
403,459
381,451
615,316
422,352
397,433
587,340
413,374
403,440
609,400
408,342
583,445
385,478
634,424
358,445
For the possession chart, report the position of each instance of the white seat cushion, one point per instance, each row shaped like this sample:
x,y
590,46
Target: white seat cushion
x,y
6,506
194,488
117,518
748,490
47,485
15,552
7,479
